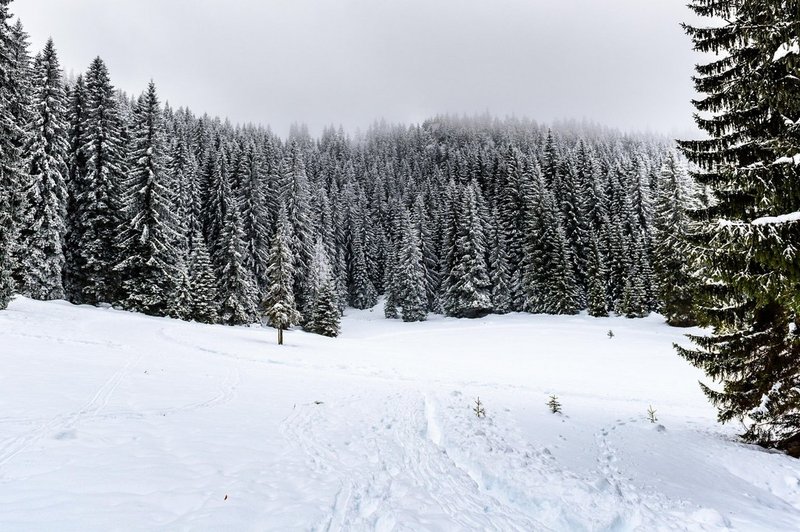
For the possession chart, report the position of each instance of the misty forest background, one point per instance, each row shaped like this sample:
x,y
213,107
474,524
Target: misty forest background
x,y
113,199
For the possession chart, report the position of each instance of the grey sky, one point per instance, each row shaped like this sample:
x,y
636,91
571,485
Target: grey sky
x,y
624,63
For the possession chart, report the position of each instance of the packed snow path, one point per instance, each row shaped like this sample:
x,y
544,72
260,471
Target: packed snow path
x,y
111,420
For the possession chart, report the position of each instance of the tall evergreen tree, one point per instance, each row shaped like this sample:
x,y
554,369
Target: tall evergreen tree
x,y
409,274
43,230
98,208
278,304
149,238
325,316
671,263
749,237
10,157
236,286
202,282
468,288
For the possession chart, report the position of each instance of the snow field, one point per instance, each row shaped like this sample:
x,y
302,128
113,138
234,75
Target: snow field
x,y
117,421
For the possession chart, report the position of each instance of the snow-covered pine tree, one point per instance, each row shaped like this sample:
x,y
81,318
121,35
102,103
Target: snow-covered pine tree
x,y
255,216
549,280
409,274
468,288
749,237
597,277
76,183
325,316
20,106
10,158
294,194
421,221
278,305
671,264
42,234
149,240
236,288
499,269
97,216
202,282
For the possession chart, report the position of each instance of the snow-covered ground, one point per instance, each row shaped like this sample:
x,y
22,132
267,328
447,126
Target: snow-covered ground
x,y
111,420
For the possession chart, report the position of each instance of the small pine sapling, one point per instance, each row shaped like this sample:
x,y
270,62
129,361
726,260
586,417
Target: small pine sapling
x,y
554,404
651,414
610,334
478,408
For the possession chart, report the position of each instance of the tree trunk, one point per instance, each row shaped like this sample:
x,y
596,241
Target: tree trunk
x,y
280,335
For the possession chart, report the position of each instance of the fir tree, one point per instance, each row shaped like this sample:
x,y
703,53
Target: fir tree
x,y
97,206
236,287
278,304
409,274
10,158
42,234
671,264
468,289
202,282
747,239
149,240
325,315
597,292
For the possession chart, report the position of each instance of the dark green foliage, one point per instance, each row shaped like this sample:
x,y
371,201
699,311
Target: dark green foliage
x,y
746,241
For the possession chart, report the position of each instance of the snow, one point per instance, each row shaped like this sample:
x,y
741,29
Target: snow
x,y
112,420
785,49
773,220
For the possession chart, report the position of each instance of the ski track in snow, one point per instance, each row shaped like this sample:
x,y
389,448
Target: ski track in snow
x,y
62,423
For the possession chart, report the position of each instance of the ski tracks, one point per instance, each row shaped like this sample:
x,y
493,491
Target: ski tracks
x,y
392,474
63,423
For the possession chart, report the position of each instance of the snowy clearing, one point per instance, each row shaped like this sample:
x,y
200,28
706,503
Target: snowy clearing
x,y
111,420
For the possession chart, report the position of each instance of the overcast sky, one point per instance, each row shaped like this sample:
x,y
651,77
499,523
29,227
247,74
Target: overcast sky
x,y
624,63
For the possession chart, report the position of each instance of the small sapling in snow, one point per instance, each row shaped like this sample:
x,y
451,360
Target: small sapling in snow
x,y
610,334
651,414
478,408
554,404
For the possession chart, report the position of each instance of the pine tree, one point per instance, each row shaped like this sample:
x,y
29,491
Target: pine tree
x,y
278,304
468,288
202,282
671,264
597,291
549,280
42,233
149,239
409,274
97,218
325,315
10,158
236,287
500,276
74,276
255,216
747,240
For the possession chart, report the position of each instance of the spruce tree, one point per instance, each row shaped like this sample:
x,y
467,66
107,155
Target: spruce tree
x,y
325,316
10,158
749,236
468,288
278,305
97,219
202,282
42,233
149,239
597,291
409,274
671,264
236,288
74,275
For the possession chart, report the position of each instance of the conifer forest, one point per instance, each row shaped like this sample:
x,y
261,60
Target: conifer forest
x,y
126,201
